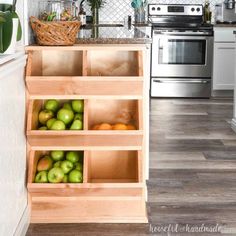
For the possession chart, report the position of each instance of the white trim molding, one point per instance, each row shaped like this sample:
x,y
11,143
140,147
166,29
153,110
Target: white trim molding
x,y
23,225
233,124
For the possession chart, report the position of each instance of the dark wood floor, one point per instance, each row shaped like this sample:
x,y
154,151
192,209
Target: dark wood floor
x,y
192,174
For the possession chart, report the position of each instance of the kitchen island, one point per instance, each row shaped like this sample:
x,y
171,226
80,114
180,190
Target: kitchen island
x,y
112,80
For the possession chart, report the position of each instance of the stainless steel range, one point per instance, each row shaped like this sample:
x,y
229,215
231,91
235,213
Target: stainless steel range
x,y
181,52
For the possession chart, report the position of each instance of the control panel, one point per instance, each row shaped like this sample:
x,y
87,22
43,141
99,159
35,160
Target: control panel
x,y
170,10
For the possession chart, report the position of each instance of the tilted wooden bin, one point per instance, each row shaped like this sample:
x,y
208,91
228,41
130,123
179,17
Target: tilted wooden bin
x,y
110,80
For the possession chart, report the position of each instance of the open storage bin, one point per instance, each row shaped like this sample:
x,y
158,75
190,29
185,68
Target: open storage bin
x,y
113,166
97,201
84,139
55,63
114,63
49,187
115,111
87,72
35,106
122,168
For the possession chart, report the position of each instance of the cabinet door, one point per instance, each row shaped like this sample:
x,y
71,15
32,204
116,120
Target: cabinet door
x,y
223,66
224,34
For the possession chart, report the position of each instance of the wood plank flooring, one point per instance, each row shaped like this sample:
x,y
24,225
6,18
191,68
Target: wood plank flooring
x,y
192,174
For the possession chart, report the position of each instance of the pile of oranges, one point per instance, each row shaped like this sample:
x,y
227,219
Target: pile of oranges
x,y
118,126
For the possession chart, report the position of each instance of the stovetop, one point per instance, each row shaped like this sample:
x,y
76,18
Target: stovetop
x,y
177,16
225,22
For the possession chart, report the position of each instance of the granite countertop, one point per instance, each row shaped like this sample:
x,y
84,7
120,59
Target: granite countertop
x,y
225,25
115,34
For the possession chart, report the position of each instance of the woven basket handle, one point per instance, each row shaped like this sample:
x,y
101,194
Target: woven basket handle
x,y
34,21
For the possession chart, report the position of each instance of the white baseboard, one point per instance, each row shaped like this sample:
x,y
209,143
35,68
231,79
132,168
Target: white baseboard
x,y
233,124
23,225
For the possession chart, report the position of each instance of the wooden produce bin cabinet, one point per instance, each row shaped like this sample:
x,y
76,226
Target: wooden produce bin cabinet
x,y
110,80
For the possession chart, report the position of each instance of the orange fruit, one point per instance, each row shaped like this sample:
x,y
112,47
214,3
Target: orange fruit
x,y
119,126
105,126
131,127
95,127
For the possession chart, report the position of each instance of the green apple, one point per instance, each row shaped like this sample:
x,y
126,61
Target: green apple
x,y
79,166
66,166
58,125
75,176
44,116
57,155
77,125
74,156
55,175
67,106
57,164
65,115
43,128
51,105
78,105
65,179
50,122
41,177
45,163
79,116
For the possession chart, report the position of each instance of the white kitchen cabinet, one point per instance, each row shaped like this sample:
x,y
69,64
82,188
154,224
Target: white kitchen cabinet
x,y
224,58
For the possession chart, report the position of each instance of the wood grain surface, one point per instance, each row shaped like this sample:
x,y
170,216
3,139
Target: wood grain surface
x,y
192,173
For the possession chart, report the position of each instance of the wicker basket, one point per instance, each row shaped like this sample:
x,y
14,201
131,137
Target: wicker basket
x,y
55,33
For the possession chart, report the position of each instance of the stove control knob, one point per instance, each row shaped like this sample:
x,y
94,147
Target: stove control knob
x,y
192,9
198,9
153,8
158,8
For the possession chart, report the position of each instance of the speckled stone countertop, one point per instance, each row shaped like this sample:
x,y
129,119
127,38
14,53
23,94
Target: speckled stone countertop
x,y
135,34
225,25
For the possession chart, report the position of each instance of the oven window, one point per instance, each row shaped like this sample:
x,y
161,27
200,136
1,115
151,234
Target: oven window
x,y
182,51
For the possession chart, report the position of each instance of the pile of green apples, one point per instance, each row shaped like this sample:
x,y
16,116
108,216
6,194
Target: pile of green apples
x,y
56,117
60,167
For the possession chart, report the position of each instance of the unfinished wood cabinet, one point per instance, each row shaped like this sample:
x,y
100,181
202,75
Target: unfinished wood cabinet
x,y
110,80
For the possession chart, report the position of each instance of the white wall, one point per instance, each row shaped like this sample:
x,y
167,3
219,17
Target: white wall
x,y
233,123
14,215
13,193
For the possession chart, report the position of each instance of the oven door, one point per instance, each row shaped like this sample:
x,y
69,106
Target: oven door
x,y
181,55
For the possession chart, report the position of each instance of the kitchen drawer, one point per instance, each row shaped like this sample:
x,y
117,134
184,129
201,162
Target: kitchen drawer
x,y
224,34
175,87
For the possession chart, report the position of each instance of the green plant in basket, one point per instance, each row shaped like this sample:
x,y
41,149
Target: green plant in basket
x,y
96,3
7,14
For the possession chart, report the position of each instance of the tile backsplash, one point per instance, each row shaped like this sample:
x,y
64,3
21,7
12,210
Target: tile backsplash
x,y
118,10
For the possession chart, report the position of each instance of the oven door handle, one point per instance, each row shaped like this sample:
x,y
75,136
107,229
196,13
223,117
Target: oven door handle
x,y
183,34
192,81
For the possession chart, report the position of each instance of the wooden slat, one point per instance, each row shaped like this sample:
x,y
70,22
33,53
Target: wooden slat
x,y
85,118
108,47
85,63
140,63
140,172
84,86
86,167
77,210
85,139
28,71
